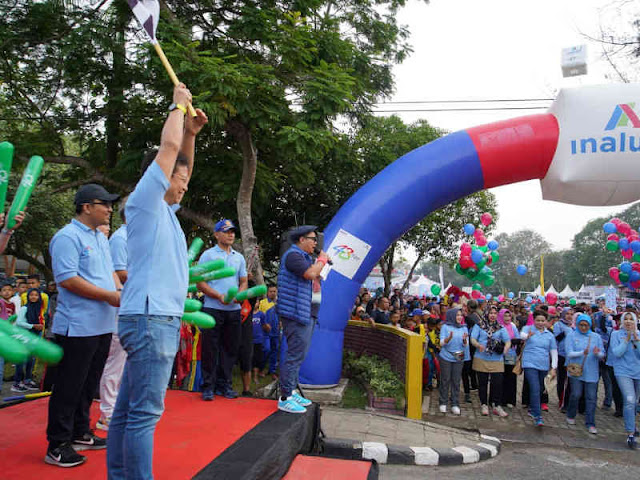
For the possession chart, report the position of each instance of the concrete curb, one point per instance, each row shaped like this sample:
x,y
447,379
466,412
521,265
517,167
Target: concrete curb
x,y
384,453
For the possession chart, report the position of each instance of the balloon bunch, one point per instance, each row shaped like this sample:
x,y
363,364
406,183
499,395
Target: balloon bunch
x,y
475,260
621,237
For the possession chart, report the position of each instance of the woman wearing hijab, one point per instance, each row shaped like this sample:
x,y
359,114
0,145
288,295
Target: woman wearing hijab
x,y
492,342
562,330
30,317
625,346
540,344
510,379
454,350
584,347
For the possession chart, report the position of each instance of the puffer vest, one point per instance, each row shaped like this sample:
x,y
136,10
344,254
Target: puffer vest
x,y
294,292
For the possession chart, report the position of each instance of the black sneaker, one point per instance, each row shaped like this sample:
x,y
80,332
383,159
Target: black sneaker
x,y
64,456
89,441
31,385
247,393
19,388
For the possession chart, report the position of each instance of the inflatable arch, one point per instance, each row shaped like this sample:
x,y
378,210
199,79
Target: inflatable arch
x,y
585,151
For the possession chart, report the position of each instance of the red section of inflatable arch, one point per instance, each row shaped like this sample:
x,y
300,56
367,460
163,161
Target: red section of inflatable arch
x,y
516,150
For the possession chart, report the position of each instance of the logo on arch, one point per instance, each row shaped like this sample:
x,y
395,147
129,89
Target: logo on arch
x,y
344,252
623,116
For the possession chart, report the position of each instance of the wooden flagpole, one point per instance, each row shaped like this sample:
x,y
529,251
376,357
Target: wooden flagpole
x,y
171,73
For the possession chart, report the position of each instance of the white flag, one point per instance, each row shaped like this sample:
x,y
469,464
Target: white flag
x,y
148,13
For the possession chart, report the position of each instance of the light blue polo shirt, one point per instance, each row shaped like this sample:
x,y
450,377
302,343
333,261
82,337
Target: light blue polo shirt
x,y
538,348
77,250
558,328
623,357
233,259
481,337
118,245
575,343
455,345
158,274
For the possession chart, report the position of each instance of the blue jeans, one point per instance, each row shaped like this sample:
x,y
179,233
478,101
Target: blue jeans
x,y
432,368
630,389
24,371
535,378
298,338
151,343
273,354
591,393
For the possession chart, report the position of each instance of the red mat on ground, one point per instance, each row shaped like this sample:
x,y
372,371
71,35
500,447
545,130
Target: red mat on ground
x,y
189,436
320,468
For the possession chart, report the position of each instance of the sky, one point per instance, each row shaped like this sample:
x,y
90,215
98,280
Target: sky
x,y
504,49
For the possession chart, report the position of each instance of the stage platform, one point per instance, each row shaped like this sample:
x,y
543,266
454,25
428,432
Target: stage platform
x,y
224,439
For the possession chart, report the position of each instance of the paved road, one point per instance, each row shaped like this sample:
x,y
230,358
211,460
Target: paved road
x,y
518,461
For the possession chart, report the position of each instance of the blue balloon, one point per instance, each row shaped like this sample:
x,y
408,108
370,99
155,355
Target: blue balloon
x,y
489,296
511,295
634,276
493,245
477,256
469,229
521,269
626,267
529,299
635,246
541,298
624,243
610,227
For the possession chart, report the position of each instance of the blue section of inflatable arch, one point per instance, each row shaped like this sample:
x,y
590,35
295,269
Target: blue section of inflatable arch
x,y
379,213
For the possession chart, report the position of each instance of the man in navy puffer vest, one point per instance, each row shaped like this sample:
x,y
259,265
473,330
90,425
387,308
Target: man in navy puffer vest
x,y
295,278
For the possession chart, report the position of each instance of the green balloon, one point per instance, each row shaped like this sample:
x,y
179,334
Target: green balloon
x,y
215,275
252,292
206,267
38,347
6,159
636,257
624,277
472,272
481,264
231,294
495,256
459,269
192,305
476,286
27,184
572,301
489,281
12,350
436,289
612,246
194,250
484,248
199,319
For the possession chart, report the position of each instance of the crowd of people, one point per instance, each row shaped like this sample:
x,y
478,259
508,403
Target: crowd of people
x,y
485,345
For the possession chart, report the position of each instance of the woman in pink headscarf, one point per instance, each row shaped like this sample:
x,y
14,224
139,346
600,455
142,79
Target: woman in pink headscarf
x,y
509,379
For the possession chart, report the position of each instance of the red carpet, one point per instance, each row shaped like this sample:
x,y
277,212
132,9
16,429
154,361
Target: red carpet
x,y
189,436
320,468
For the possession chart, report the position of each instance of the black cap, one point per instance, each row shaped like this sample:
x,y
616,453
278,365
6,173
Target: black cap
x,y
92,191
298,232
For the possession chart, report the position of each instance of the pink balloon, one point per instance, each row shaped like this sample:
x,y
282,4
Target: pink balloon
x,y
552,310
633,237
551,298
627,253
501,298
478,233
624,228
616,221
476,294
614,273
486,219
613,236
465,249
635,266
481,241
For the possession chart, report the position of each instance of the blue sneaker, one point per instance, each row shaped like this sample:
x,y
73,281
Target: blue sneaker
x,y
538,422
207,395
227,393
305,402
290,406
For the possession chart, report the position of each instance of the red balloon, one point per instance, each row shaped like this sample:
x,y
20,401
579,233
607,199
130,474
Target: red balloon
x,y
552,310
627,253
481,241
551,298
478,233
465,248
635,266
616,221
624,228
613,236
466,262
489,259
636,284
614,273
476,294
486,219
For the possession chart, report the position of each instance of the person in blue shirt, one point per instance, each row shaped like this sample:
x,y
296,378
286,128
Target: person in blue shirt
x,y
624,344
584,347
491,341
112,374
562,330
85,320
268,306
221,344
603,325
540,350
454,351
295,277
260,328
153,297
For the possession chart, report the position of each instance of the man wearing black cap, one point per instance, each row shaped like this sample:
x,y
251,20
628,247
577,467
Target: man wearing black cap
x,y
89,291
295,280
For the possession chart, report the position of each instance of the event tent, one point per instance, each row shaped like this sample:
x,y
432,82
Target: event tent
x,y
567,292
551,290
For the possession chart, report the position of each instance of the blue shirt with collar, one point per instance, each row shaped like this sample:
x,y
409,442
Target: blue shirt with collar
x,y
624,356
481,337
455,345
537,349
232,259
158,274
558,329
78,250
118,245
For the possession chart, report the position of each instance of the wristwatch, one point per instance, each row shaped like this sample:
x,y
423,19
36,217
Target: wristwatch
x,y
182,108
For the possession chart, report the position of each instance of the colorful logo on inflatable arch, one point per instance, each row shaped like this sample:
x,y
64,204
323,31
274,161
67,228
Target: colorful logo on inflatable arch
x,y
344,252
622,115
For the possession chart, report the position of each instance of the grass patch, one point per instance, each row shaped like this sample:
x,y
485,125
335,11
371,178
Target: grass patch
x,y
355,396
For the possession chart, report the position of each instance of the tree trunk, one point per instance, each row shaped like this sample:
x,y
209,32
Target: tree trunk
x,y
242,135
413,267
115,85
386,266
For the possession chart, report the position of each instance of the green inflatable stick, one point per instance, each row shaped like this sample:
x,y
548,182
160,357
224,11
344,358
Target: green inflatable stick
x,y
38,347
192,305
194,250
199,319
231,294
206,267
256,291
215,275
193,288
27,184
12,350
6,158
